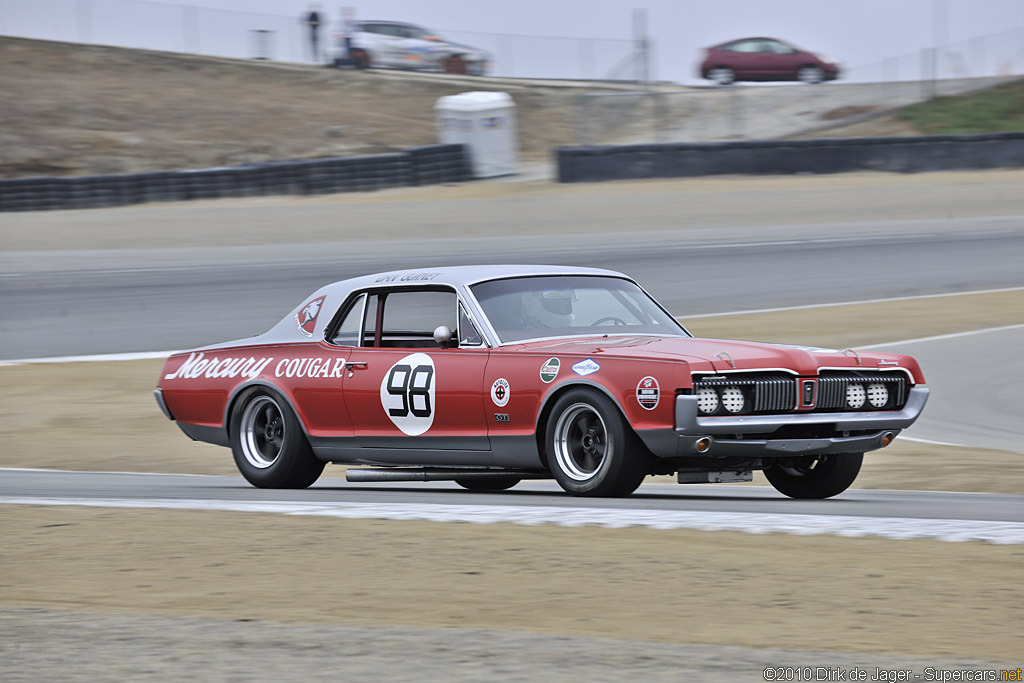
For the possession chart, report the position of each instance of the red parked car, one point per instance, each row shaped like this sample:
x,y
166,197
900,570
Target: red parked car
x,y
765,59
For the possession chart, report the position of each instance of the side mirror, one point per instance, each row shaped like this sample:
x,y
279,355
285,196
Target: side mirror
x,y
443,336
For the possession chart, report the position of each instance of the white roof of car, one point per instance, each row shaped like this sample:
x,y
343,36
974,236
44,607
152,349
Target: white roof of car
x,y
457,276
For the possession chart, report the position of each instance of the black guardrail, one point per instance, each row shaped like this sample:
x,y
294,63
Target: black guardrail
x,y
428,165
827,155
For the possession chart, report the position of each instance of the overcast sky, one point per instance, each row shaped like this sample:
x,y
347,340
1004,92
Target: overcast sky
x,y
857,32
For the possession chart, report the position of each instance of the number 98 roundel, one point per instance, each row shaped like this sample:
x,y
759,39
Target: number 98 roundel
x,y
407,394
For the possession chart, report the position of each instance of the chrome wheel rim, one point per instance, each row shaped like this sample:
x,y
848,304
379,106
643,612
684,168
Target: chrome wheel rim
x,y
581,444
262,432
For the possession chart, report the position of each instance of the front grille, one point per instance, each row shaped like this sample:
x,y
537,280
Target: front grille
x,y
834,384
762,392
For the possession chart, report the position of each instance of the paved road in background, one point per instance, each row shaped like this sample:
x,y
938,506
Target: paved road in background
x,y
58,303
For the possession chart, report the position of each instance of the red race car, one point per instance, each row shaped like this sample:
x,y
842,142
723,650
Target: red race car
x,y
487,375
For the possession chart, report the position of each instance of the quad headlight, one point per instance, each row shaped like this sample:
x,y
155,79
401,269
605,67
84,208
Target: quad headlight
x,y
878,395
707,400
732,399
855,395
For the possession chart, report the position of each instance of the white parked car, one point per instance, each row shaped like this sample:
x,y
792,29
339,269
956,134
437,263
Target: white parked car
x,y
397,45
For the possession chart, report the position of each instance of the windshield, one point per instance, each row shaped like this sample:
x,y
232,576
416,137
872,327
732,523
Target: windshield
x,y
561,306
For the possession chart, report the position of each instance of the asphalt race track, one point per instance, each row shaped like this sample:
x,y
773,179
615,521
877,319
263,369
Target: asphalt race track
x,y
99,301
754,509
114,301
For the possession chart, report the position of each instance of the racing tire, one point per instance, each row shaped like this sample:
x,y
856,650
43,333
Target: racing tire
x,y
270,448
454,65
495,483
359,59
722,75
815,477
591,449
810,74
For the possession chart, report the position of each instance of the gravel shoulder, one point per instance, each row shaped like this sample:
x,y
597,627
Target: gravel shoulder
x,y
793,592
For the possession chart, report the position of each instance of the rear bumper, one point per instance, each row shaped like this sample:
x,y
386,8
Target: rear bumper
x,y
727,435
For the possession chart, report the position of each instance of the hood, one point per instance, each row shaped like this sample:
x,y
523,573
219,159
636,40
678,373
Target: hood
x,y
720,355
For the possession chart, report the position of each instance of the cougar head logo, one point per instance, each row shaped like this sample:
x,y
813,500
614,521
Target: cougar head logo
x,y
306,317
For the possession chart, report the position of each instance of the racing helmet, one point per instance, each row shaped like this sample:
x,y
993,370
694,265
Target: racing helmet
x,y
550,307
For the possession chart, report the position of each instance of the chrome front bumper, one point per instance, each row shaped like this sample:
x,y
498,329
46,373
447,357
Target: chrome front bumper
x,y
727,432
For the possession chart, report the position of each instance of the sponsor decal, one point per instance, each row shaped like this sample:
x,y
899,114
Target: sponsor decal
x,y
326,368
501,417
586,367
648,393
549,371
407,394
307,315
198,365
500,392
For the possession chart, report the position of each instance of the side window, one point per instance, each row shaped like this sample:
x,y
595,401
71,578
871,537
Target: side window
x,y
348,331
411,317
468,334
370,321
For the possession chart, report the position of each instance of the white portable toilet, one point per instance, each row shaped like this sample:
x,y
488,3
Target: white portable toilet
x,y
486,123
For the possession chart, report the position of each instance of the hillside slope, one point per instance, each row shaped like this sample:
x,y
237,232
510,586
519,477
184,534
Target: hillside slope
x,y
71,109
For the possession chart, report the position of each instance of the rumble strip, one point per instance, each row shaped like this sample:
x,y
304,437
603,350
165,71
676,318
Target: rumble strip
x,y
898,528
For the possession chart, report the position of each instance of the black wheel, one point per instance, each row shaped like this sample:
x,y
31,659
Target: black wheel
x,y
268,443
810,74
359,59
722,75
489,483
591,449
821,476
454,65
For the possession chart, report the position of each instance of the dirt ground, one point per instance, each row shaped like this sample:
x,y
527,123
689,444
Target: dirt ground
x,y
826,593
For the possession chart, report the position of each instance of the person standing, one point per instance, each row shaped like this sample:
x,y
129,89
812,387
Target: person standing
x,y
312,21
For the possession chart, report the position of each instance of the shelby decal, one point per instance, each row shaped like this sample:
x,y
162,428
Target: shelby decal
x,y
310,367
197,365
500,392
407,394
648,393
306,317
586,367
549,370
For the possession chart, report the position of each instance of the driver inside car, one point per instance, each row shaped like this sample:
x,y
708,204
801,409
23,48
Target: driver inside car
x,y
549,308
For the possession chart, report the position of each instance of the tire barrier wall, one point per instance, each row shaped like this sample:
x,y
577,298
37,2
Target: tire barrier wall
x,y
428,165
837,155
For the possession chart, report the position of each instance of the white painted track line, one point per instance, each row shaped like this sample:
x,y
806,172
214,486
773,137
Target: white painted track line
x,y
896,528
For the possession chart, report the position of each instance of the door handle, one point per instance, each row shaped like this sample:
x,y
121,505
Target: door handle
x,y
355,364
